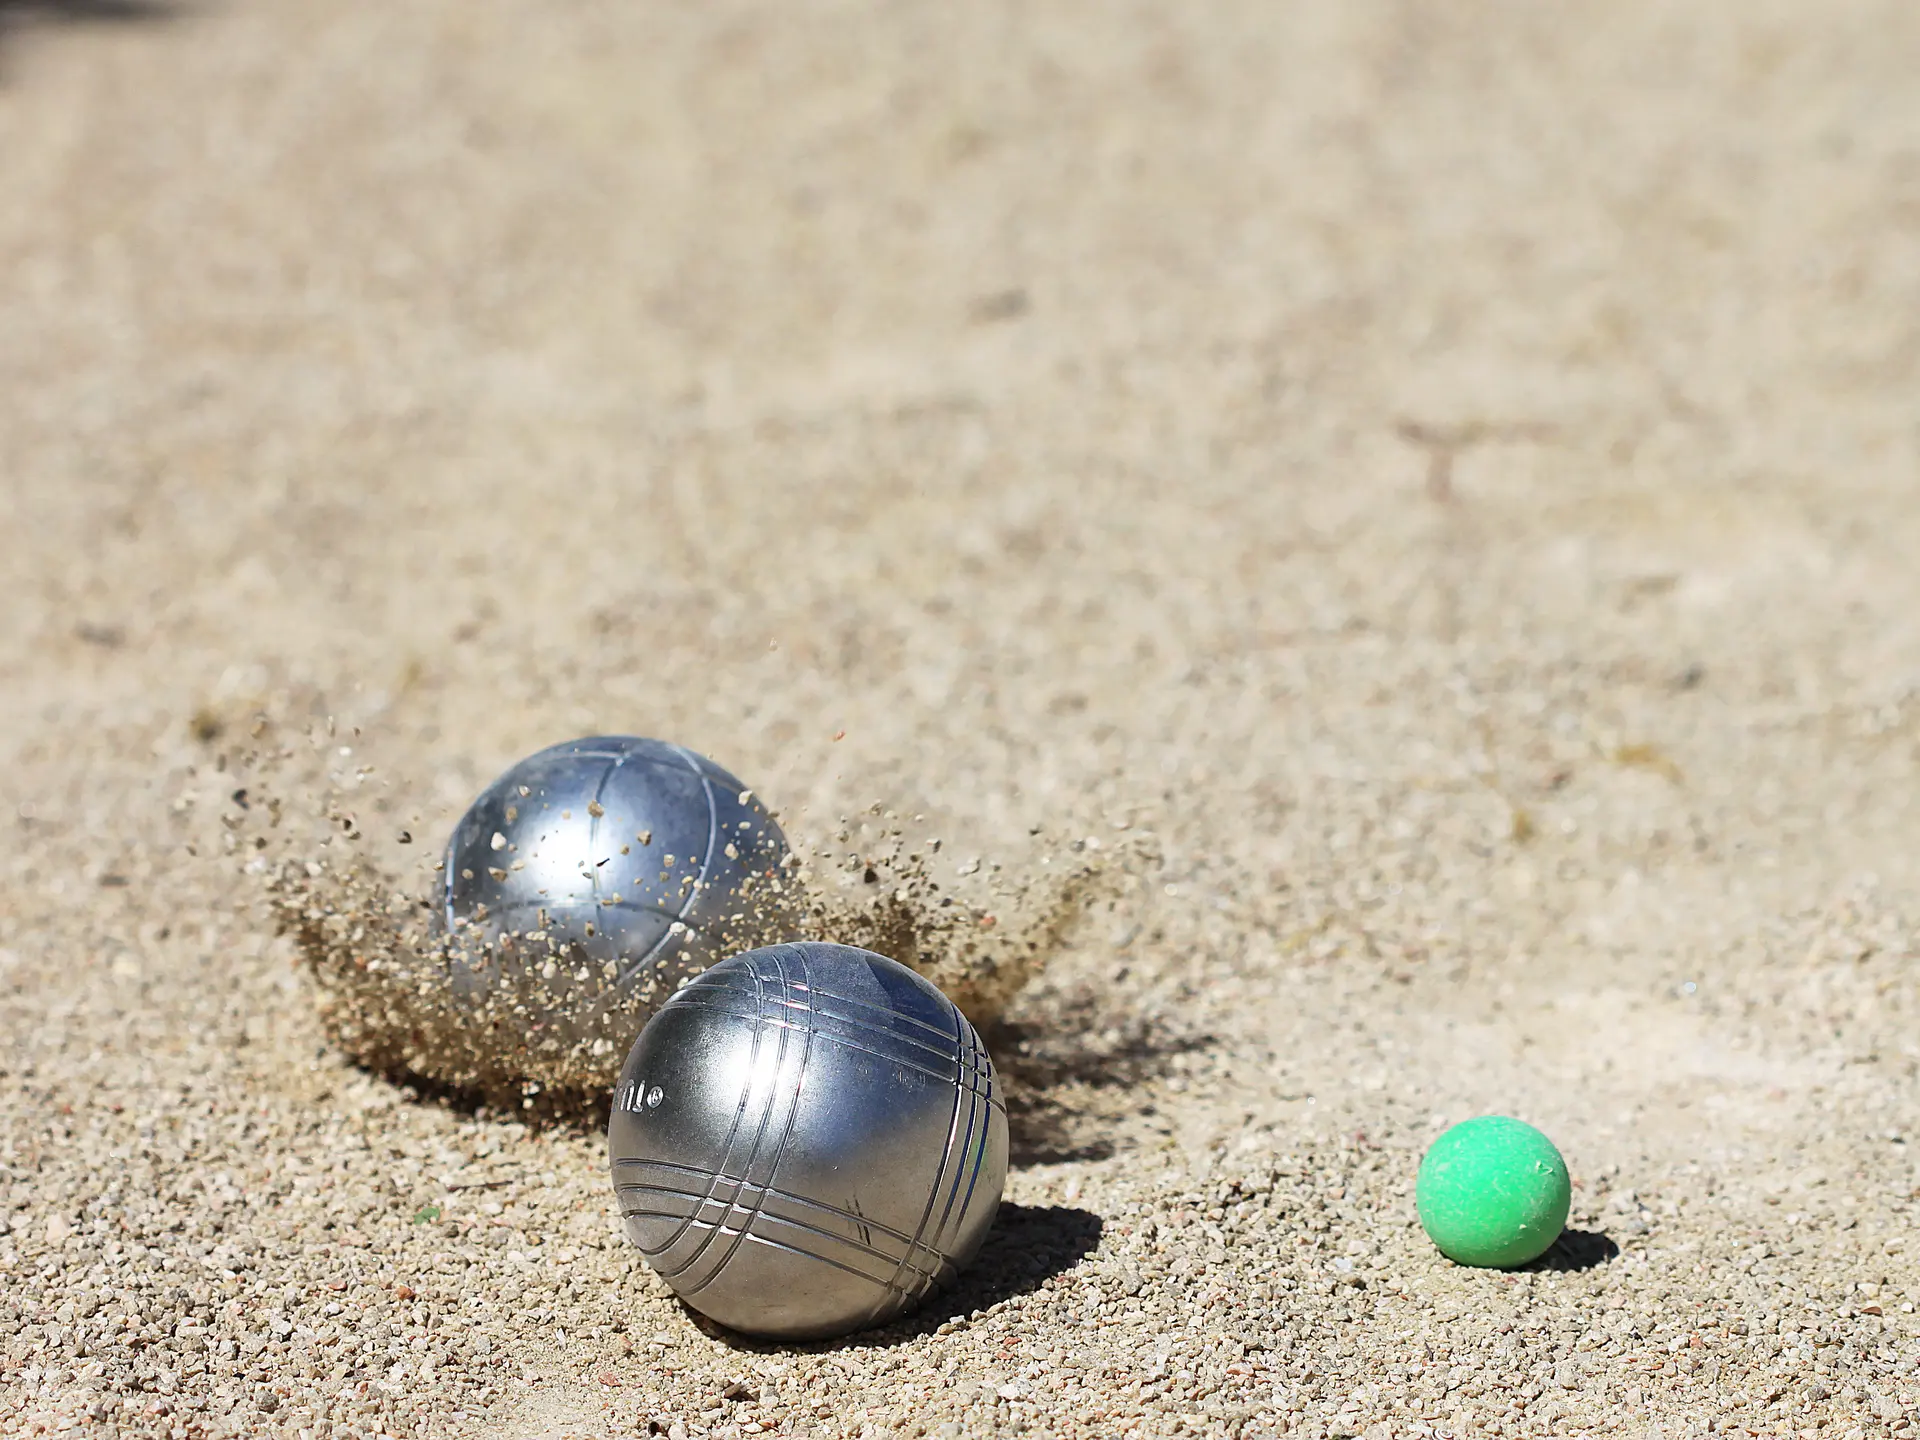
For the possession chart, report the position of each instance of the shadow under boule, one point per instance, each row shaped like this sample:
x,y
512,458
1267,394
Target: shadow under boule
x,y
1028,1246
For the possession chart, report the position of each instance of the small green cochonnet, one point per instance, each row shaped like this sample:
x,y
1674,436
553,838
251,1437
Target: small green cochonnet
x,y
1493,1192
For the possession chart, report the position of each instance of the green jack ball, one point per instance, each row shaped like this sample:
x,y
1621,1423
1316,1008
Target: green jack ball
x,y
1493,1192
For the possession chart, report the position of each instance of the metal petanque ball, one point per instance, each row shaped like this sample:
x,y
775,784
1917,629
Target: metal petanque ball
x,y
593,877
807,1140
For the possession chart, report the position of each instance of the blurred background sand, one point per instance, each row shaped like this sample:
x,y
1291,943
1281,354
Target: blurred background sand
x,y
1443,481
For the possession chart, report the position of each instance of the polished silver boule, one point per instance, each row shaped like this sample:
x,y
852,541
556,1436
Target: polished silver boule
x,y
593,877
806,1140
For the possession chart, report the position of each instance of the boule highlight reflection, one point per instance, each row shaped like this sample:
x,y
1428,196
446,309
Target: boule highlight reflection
x,y
807,1140
593,877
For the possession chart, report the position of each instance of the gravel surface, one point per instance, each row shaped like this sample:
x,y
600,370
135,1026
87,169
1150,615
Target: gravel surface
x,y
1422,499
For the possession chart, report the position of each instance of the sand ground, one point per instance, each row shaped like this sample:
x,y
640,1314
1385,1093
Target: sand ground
x,y
1439,485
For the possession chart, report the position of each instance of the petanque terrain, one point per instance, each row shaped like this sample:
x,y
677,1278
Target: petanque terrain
x,y
1419,503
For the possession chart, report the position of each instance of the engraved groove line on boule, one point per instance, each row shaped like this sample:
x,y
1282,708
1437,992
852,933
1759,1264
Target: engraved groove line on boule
x,y
786,1134
979,1153
726,1150
759,1134
817,1002
826,1235
933,1190
972,1078
974,1145
774,1191
593,839
776,1217
800,1251
693,892
968,1082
